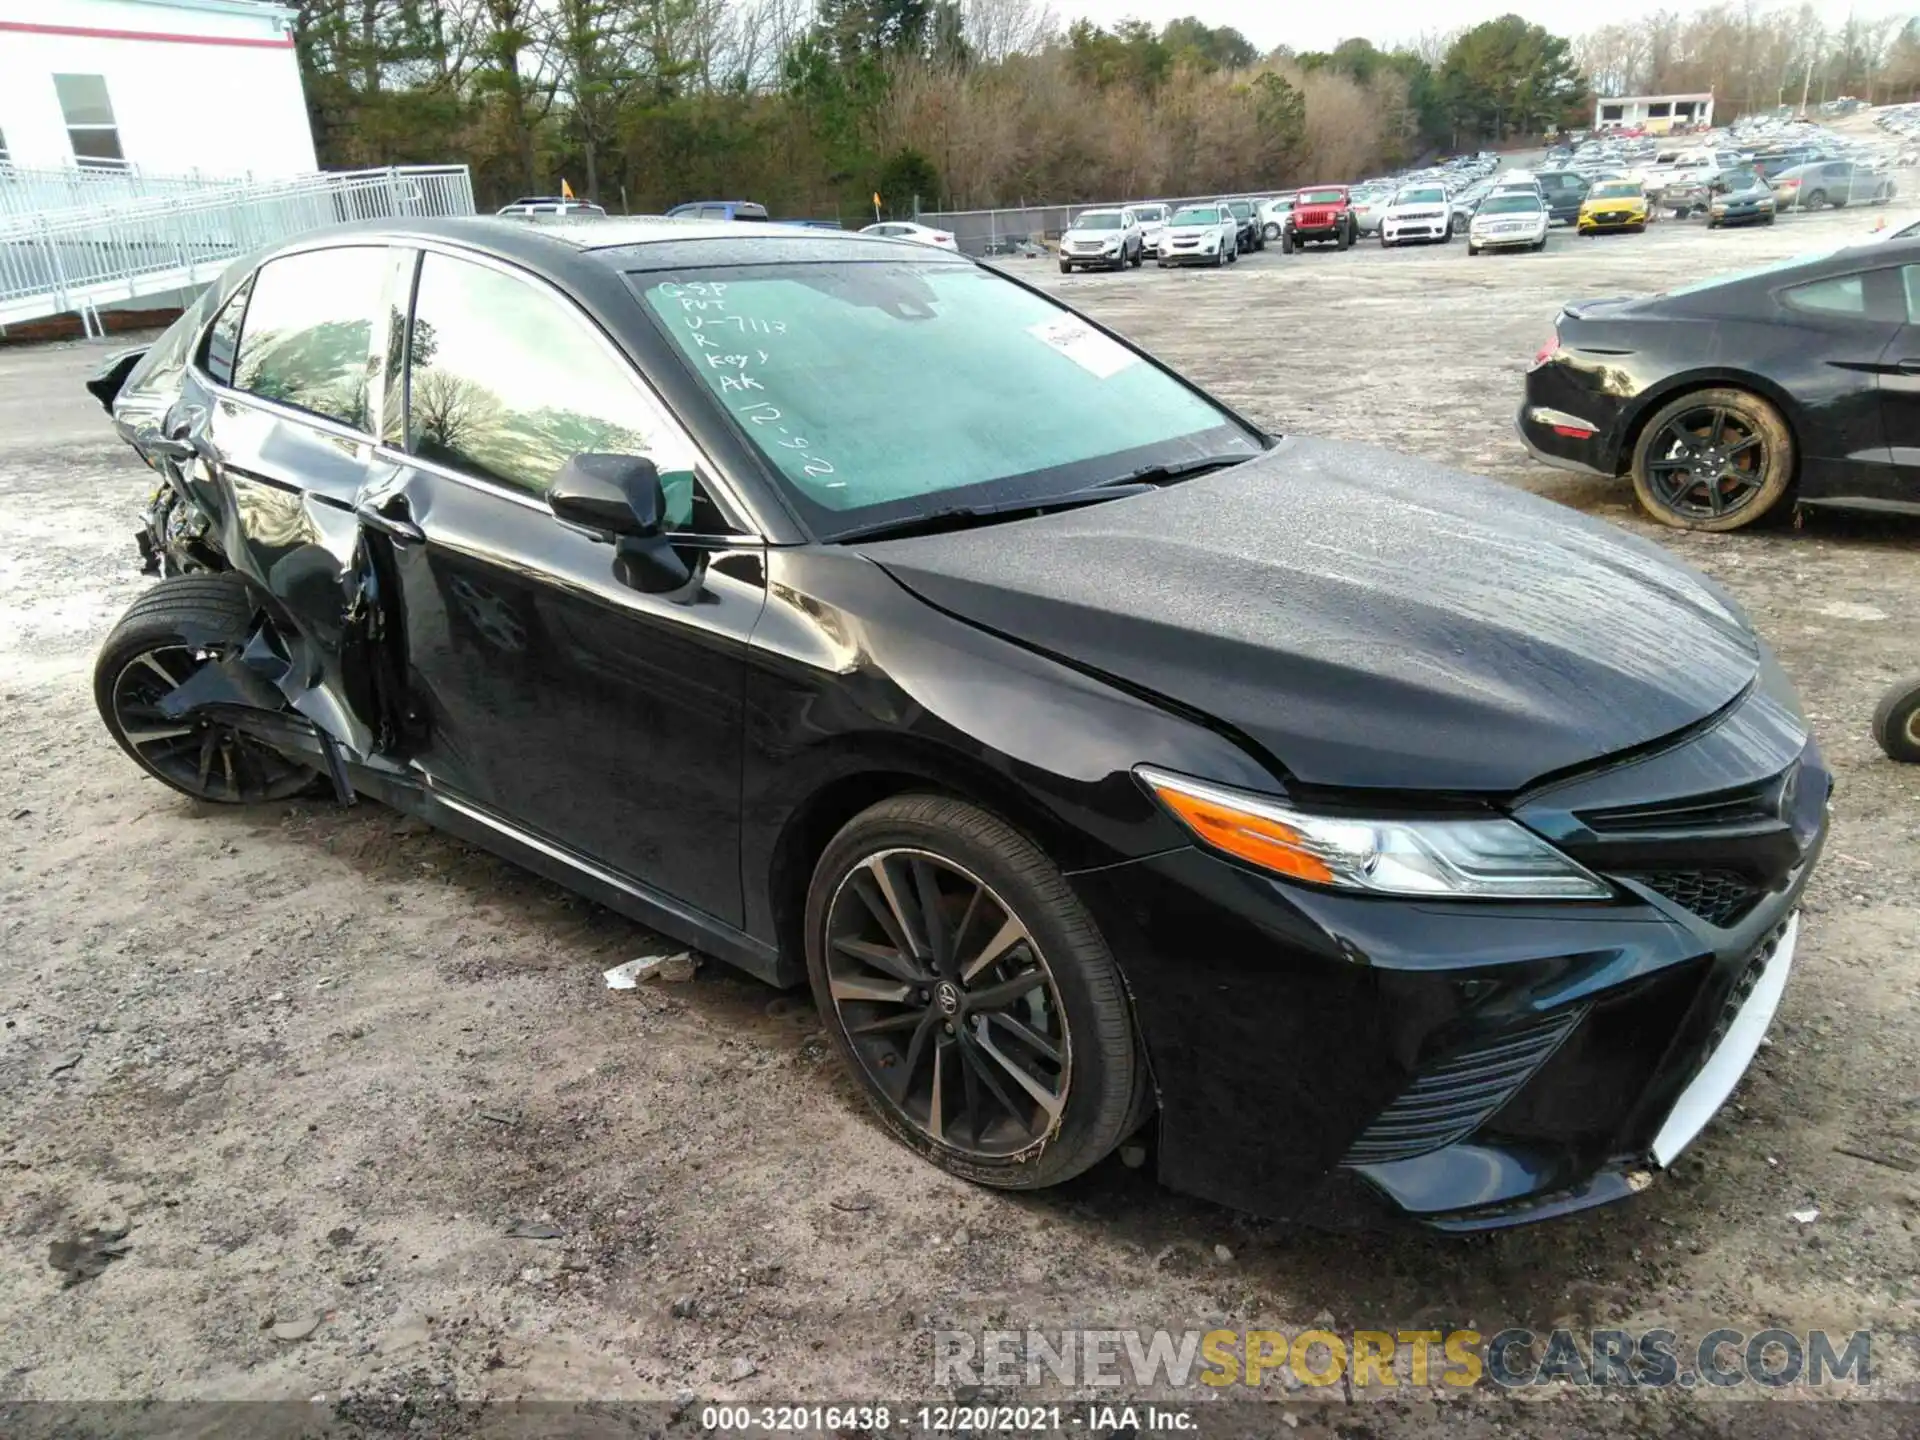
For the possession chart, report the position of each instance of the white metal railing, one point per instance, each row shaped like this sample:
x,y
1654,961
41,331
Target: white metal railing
x,y
80,257
31,190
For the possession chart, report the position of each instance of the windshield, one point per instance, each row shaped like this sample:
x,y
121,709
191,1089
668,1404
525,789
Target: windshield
x,y
1197,215
1421,195
1512,205
1616,190
883,390
1098,220
1320,197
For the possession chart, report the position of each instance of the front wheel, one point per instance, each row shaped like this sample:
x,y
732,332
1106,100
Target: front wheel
x,y
1286,243
971,995
1472,249
1343,238
1220,257
1896,722
1713,460
169,635
1065,268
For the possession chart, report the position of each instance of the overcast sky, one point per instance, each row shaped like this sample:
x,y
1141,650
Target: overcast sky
x,y
1321,26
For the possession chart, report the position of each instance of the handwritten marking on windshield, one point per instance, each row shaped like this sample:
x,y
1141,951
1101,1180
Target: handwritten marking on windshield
x,y
703,308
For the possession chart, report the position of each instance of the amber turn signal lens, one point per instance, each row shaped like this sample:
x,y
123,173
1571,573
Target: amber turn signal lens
x,y
1257,839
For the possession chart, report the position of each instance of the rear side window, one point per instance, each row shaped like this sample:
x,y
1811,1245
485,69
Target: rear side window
x,y
307,339
1871,295
224,338
505,381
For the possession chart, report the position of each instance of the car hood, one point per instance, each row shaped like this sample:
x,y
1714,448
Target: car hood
x,y
1188,232
1364,618
1093,235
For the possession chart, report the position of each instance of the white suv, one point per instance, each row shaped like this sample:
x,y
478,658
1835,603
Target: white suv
x,y
1152,216
1417,212
1108,239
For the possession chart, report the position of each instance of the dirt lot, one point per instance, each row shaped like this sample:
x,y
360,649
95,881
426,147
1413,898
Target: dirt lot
x,y
317,1063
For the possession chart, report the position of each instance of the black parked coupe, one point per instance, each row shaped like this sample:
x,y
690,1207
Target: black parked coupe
x,y
1726,400
1388,841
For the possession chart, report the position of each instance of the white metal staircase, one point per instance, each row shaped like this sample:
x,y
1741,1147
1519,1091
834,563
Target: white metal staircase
x,y
76,240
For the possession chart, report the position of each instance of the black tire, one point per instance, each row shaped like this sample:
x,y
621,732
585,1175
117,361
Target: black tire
x,y
179,618
1814,201
1286,242
1271,230
1105,1080
1472,249
1065,268
1385,244
1896,722
1343,237
1773,469
1220,257
1139,255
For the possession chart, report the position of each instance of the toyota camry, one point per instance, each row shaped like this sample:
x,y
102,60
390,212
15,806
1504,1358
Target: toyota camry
x,y
1371,839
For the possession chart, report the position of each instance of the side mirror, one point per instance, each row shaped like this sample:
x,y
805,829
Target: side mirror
x,y
622,498
616,495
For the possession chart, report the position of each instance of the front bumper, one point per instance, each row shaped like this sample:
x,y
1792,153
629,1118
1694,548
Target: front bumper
x,y
1507,241
1395,231
1591,221
1353,1060
1190,255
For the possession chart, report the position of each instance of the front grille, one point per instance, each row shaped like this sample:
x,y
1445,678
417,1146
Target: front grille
x,y
1454,1097
1722,810
1719,897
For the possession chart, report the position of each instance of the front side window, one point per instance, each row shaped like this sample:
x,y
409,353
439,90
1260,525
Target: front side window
x,y
506,381
88,115
307,339
879,391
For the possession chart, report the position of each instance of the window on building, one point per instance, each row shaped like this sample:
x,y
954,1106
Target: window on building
x,y
1612,112
89,118
306,338
1660,110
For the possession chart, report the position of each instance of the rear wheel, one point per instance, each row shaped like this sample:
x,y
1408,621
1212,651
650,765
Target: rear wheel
x,y
1896,722
167,636
970,994
1713,460
1814,201
1271,230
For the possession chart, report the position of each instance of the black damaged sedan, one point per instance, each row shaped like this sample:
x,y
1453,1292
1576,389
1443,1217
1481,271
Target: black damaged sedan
x,y
1381,841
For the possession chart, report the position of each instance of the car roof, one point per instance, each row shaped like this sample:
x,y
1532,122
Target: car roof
x,y
560,242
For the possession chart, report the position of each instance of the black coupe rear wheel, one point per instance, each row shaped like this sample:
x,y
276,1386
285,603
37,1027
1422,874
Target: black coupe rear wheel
x,y
166,637
1713,460
970,994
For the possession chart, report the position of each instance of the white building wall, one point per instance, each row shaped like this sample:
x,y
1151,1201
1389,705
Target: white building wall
x,y
208,86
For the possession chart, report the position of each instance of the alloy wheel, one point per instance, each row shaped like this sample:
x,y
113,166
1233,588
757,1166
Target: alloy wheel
x,y
202,757
948,1003
1707,463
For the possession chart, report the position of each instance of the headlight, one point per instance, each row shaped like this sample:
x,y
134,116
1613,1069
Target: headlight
x,y
1484,857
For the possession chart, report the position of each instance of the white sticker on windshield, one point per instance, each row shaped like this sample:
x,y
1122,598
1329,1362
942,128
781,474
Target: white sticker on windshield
x,y
1093,352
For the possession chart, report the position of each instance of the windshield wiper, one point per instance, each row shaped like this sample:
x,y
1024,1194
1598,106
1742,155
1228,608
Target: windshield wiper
x,y
1171,473
962,517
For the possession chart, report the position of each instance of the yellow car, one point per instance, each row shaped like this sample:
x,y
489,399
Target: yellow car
x,y
1613,205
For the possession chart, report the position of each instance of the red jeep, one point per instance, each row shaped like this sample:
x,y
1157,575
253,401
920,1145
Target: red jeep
x,y
1320,212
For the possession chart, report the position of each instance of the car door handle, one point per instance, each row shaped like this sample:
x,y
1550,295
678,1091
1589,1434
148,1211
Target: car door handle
x,y
397,527
1907,367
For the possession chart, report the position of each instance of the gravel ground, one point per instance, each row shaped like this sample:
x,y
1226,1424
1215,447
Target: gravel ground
x,y
313,1066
